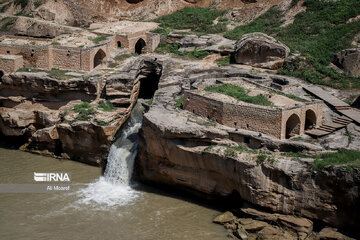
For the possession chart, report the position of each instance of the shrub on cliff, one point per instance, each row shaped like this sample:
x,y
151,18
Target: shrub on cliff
x,y
84,111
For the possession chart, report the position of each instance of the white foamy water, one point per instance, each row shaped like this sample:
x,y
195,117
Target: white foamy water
x,y
114,188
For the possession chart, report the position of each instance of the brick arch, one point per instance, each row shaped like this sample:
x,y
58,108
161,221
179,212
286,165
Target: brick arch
x,y
99,57
140,46
293,125
310,119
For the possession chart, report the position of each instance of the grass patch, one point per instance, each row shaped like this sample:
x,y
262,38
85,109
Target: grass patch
x,y
240,94
113,65
173,48
150,101
102,123
223,61
125,56
59,74
84,111
343,156
98,39
55,43
27,69
180,102
317,34
106,106
199,20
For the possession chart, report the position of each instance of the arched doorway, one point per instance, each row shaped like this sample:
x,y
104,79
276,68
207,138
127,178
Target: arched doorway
x,y
1,73
118,44
99,57
292,126
139,46
310,119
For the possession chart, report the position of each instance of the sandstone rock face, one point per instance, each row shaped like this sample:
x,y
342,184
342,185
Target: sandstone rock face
x,y
349,61
39,109
260,50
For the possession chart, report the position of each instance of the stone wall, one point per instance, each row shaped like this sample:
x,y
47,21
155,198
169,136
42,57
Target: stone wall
x,y
267,120
66,58
10,63
35,56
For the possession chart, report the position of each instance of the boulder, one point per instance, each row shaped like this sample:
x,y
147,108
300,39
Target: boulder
x,y
298,224
224,218
260,50
348,61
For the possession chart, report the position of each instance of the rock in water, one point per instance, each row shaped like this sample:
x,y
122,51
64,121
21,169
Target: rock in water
x,y
260,50
224,218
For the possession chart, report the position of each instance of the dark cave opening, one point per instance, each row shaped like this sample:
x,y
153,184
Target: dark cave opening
x,y
149,81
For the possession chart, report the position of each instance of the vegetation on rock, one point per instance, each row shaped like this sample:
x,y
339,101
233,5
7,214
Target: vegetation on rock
x,y
106,106
318,33
240,94
84,111
199,20
348,158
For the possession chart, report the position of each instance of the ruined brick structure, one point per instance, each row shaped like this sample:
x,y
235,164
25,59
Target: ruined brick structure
x,y
64,52
279,122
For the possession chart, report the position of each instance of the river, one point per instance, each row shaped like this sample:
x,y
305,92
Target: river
x,y
144,213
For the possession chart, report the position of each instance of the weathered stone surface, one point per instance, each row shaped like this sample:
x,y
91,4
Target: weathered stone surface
x,y
349,61
252,225
211,42
274,233
331,234
260,50
224,218
296,223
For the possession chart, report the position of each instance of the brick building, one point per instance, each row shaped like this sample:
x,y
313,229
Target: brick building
x,y
281,120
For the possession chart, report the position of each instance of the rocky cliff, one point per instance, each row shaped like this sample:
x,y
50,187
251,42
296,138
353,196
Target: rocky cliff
x,y
83,13
180,149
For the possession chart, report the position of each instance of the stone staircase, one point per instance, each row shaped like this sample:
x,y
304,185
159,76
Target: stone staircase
x,y
329,127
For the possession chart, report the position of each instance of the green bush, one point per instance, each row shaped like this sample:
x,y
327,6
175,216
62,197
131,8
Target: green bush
x,y
239,93
199,20
84,111
106,106
318,33
349,157
261,158
180,102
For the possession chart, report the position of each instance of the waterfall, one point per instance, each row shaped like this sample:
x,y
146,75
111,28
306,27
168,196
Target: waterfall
x,y
123,151
114,188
